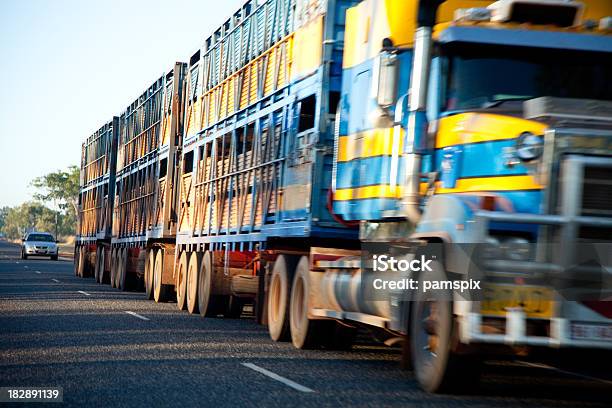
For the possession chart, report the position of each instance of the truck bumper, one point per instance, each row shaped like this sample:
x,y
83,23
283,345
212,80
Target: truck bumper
x,y
561,333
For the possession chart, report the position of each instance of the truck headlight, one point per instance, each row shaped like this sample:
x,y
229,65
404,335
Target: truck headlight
x,y
529,146
516,249
491,248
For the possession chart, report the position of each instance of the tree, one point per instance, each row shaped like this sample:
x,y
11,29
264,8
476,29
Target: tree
x,y
3,213
60,186
27,217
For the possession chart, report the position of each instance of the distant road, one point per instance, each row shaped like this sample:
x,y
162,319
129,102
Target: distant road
x,y
112,348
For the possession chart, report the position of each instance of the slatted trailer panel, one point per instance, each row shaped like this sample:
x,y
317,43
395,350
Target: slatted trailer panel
x,y
256,52
97,182
151,131
257,150
235,187
96,196
96,155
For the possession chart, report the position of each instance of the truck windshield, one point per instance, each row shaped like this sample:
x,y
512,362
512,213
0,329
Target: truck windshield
x,y
481,77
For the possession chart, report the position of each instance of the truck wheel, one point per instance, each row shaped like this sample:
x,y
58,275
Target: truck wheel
x,y
120,267
123,283
119,255
160,291
437,367
92,259
97,268
193,270
113,269
204,284
104,277
279,297
77,255
82,260
181,281
100,265
208,304
84,272
148,278
305,333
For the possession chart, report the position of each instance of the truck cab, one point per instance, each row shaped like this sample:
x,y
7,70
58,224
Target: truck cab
x,y
483,130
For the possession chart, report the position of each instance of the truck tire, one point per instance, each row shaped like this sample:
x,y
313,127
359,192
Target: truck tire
x,y
160,291
54,257
208,304
118,254
106,260
77,254
124,283
437,367
305,333
279,297
82,260
148,277
96,270
113,269
99,269
181,281
193,271
120,267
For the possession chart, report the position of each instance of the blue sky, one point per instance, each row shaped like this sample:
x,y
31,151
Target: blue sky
x,y
68,66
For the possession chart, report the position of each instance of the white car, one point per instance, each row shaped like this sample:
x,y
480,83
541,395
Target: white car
x,y
39,244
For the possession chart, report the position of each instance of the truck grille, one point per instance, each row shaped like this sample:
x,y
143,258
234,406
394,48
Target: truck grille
x,y
597,192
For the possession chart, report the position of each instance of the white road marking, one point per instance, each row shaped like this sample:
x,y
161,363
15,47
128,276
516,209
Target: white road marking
x,y
277,377
559,370
26,266
38,272
136,315
84,293
55,280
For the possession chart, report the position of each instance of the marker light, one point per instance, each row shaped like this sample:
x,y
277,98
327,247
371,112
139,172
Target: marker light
x,y
605,24
473,14
529,146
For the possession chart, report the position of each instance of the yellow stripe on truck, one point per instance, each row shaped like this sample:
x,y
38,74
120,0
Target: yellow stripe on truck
x,y
466,185
370,143
468,128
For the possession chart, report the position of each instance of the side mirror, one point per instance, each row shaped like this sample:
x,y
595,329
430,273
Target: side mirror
x,y
385,79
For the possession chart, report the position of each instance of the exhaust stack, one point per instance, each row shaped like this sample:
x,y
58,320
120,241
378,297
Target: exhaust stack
x,y
417,120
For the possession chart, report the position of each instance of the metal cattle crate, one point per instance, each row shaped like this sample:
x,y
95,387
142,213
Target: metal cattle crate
x,y
96,195
257,151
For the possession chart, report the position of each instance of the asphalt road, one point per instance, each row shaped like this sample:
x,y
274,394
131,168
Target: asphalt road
x,y
60,330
